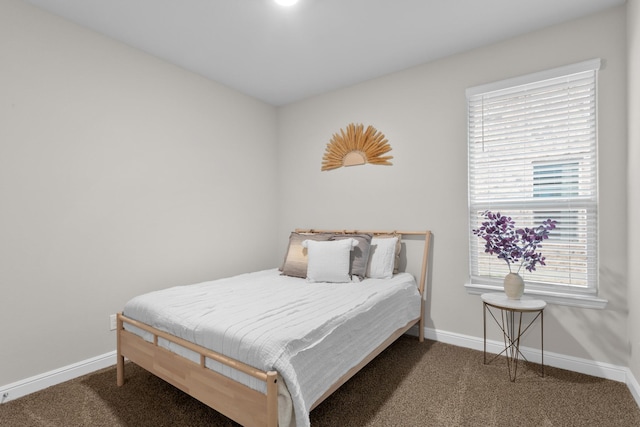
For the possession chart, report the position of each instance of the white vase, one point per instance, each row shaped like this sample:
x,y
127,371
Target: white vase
x,y
513,286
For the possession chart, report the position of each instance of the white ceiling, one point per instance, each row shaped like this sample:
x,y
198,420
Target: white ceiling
x,y
281,55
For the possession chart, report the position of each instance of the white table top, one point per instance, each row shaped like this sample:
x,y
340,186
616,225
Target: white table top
x,y
525,303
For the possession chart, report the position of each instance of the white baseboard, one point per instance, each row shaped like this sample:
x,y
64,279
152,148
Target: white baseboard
x,y
40,382
633,386
590,367
570,363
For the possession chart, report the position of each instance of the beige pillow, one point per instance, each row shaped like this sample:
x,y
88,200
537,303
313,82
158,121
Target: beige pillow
x,y
295,260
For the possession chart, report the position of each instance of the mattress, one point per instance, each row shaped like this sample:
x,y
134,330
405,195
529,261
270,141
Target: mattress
x,y
311,333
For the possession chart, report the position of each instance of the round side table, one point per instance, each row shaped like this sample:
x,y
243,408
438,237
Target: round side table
x,y
511,325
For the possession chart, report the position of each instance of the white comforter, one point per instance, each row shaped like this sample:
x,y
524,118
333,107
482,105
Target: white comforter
x,y
311,333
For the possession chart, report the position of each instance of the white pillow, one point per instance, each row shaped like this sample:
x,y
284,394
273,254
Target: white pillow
x,y
329,261
382,255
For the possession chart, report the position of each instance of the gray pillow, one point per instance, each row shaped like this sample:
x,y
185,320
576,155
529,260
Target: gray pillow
x,y
359,254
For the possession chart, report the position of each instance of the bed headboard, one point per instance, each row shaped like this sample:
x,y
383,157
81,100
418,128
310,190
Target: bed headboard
x,y
425,254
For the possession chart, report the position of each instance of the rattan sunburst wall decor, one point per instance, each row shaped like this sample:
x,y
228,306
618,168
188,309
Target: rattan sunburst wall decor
x,y
356,146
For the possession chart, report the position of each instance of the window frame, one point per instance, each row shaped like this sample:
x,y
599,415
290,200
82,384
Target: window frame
x,y
552,293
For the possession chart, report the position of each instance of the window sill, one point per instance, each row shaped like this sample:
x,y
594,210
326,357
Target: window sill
x,y
573,300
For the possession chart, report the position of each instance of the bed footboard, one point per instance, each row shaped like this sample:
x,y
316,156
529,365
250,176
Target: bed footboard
x,y
232,399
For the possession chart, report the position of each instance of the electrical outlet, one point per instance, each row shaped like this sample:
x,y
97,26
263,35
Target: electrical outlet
x,y
112,322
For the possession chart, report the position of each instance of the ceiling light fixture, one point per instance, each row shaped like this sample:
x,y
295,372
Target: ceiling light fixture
x,y
286,2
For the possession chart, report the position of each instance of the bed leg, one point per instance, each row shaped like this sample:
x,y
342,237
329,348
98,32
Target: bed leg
x,y
119,356
272,399
423,282
421,323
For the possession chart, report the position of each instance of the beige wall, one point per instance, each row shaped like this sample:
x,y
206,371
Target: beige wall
x,y
633,49
119,174
422,111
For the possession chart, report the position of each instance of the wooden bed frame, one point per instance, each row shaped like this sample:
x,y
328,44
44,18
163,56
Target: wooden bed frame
x,y
242,404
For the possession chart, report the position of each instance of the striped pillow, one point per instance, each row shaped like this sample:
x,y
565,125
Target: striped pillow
x,y
295,260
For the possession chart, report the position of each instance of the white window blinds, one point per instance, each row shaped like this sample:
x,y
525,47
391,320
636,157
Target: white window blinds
x,y
533,156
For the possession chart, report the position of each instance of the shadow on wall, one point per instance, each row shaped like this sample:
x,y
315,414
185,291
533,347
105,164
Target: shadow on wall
x,y
594,334
610,324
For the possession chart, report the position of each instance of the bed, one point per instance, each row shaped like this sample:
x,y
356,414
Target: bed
x,y
265,348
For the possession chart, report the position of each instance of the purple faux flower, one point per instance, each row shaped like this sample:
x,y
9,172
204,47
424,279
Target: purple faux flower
x,y
513,245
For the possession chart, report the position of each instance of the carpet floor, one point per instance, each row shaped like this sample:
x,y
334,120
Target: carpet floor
x,y
409,384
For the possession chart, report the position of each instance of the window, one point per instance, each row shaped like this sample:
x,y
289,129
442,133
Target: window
x,y
533,156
